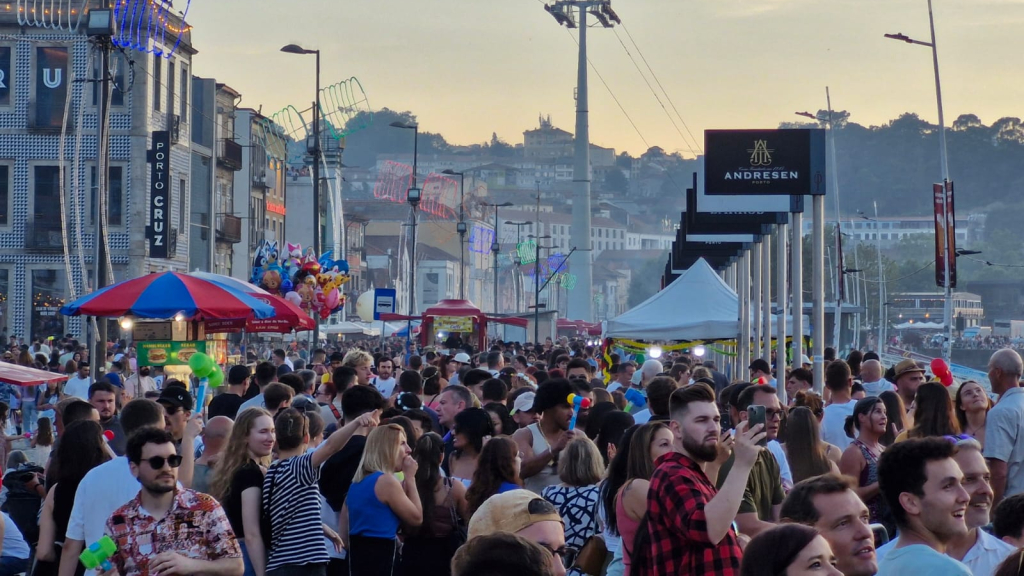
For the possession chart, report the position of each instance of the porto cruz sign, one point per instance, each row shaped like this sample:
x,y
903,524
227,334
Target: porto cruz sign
x,y
764,162
159,159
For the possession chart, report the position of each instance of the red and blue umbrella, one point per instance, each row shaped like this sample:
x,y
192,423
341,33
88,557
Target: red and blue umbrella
x,y
166,295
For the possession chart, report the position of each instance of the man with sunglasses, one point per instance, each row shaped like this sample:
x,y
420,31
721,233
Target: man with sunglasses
x,y
166,530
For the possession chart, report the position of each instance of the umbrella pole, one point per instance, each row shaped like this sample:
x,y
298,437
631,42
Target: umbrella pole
x,y
242,347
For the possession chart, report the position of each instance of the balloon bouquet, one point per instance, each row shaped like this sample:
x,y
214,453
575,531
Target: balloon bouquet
x,y
311,283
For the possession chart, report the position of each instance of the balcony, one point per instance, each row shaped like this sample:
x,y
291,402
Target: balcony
x,y
229,228
229,155
43,236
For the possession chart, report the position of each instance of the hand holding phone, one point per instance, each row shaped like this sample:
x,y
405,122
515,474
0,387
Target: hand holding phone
x,y
756,415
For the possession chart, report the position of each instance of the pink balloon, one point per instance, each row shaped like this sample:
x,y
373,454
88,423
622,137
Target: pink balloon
x,y
294,298
332,299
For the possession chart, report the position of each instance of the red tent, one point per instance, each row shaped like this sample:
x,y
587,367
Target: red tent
x,y
578,327
449,313
25,376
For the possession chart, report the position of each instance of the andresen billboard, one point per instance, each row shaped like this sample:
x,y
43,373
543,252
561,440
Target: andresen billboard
x,y
764,162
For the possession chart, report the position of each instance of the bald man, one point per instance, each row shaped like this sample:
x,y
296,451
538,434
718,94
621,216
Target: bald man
x,y
1004,426
874,382
215,437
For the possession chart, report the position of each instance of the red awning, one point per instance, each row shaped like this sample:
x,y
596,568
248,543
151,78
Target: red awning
x,y
24,376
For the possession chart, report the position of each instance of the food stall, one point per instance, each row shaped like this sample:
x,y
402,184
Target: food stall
x,y
451,321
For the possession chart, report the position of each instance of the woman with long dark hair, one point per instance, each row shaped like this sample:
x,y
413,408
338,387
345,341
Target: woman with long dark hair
x,y
618,473
609,434
81,449
789,550
806,452
866,426
972,405
497,472
472,427
894,412
433,383
813,402
652,441
429,547
503,423
933,413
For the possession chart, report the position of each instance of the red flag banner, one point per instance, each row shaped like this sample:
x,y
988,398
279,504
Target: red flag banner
x,y
941,245
950,234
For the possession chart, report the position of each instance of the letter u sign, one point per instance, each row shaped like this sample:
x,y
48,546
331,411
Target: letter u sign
x,y
52,77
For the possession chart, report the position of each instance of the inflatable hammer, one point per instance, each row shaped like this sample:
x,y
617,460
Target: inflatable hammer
x,y
577,403
98,554
635,399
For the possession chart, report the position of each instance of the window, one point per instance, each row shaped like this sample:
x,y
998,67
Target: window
x,y
5,75
46,195
170,87
157,74
183,100
48,295
115,195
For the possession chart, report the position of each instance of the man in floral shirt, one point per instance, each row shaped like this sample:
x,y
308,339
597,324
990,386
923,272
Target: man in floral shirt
x,y
167,531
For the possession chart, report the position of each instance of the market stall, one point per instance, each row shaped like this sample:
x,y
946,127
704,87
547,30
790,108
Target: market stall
x,y
454,322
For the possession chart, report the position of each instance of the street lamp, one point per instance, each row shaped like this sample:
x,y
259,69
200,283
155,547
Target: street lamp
x,y
496,247
314,150
947,315
413,197
461,228
536,285
518,260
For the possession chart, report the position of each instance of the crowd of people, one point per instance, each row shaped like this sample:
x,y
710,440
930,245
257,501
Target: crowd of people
x,y
370,462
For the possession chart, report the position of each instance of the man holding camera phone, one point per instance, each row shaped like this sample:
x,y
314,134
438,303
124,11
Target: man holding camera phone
x,y
762,499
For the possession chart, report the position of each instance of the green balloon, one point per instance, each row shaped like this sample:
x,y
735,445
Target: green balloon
x,y
201,364
216,378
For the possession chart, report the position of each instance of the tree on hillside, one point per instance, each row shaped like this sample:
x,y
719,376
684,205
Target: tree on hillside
x,y
616,181
363,146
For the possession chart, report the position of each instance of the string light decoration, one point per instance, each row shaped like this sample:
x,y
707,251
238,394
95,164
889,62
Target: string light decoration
x,y
51,14
143,25
342,103
274,139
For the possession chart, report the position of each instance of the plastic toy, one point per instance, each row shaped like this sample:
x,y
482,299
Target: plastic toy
x,y
577,403
635,398
98,554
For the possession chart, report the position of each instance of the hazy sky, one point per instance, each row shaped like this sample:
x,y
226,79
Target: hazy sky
x,y
469,68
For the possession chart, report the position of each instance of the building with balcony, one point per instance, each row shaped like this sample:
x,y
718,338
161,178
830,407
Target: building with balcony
x,y
49,95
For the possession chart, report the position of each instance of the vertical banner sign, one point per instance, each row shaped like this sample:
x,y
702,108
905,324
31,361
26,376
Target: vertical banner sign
x,y
941,244
950,234
5,75
159,233
51,85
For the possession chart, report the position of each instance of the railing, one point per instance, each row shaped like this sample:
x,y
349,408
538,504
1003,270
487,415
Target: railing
x,y
43,237
229,155
229,228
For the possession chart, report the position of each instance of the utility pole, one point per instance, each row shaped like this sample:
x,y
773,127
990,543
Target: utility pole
x,y
564,12
103,44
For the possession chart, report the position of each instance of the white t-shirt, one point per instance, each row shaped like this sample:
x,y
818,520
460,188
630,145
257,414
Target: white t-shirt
x,y
14,543
78,387
254,402
642,417
780,456
833,423
385,387
104,489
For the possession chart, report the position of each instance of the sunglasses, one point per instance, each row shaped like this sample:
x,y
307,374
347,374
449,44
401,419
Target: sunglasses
x,y
157,462
566,554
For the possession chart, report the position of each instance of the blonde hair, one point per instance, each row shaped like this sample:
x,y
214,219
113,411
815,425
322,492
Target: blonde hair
x,y
357,358
381,451
580,464
236,453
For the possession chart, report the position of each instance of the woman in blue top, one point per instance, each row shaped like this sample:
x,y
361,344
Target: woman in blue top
x,y
497,472
377,502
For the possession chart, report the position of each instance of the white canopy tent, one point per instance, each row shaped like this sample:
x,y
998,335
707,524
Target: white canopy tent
x,y
698,305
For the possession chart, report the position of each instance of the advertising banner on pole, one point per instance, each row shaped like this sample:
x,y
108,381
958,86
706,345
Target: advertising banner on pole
x,y
945,233
764,162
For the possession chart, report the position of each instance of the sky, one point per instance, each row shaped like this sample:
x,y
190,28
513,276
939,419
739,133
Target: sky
x,y
469,68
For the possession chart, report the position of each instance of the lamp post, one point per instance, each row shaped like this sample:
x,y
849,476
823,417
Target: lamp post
x,y
881,282
315,151
947,314
518,260
536,285
496,248
461,228
413,196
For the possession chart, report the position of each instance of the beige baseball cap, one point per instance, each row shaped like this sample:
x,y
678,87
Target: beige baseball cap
x,y
511,512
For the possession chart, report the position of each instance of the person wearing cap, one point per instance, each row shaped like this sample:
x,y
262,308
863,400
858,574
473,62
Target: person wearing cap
x,y
522,411
907,377
542,442
805,362
526,514
462,359
177,403
231,398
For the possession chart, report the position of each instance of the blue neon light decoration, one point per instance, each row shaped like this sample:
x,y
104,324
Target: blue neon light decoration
x,y
480,239
142,25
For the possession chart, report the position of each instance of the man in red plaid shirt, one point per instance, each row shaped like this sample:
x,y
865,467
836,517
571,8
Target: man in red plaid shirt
x,y
690,523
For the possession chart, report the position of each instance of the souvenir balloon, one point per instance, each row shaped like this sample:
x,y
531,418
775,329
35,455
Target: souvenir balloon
x,y
201,364
331,301
216,377
272,281
294,298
